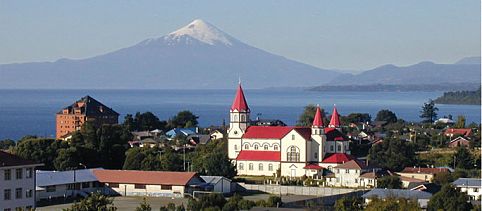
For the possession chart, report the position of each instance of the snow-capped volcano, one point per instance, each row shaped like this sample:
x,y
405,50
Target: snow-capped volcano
x,y
197,55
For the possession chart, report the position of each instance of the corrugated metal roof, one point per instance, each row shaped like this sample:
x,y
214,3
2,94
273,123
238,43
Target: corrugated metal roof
x,y
47,178
397,193
472,182
213,179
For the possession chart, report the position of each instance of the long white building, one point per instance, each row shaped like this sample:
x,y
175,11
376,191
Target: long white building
x,y
17,183
295,151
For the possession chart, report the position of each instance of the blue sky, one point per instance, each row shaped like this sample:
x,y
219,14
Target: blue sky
x,y
349,35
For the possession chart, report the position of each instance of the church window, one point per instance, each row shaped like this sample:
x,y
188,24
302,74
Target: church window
x,y
251,166
235,147
293,154
339,148
241,166
260,167
246,146
235,117
356,180
276,147
331,148
256,147
292,137
270,167
316,155
265,147
347,171
235,132
243,118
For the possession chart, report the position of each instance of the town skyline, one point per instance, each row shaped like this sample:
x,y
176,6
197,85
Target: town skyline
x,y
322,34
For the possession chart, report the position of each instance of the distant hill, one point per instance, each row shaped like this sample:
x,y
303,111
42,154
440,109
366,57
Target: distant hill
x,y
421,73
196,56
397,87
460,97
469,60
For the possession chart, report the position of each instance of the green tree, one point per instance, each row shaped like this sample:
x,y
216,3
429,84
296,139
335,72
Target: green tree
x,y
211,159
449,198
39,150
386,115
357,117
306,118
95,201
393,154
7,143
183,119
144,206
349,204
67,159
460,122
463,158
392,204
443,178
147,121
429,112
390,182
273,201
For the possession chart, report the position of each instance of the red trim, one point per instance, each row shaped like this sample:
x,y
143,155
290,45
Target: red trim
x,y
313,166
338,158
259,155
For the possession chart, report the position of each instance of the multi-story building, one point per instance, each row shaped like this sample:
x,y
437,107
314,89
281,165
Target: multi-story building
x,y
471,186
71,118
17,183
295,151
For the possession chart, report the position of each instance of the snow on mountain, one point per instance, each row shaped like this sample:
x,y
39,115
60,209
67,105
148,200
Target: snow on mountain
x,y
198,55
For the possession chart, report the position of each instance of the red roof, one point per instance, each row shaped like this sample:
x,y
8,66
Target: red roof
x,y
461,131
313,166
239,102
332,134
144,177
259,155
275,132
338,158
335,119
318,120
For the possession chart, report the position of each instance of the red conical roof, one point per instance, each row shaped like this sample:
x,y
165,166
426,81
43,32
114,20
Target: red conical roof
x,y
239,102
318,120
335,119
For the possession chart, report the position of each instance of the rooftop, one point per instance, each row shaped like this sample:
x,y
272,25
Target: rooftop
x,y
46,178
90,107
472,182
419,170
7,159
259,155
397,193
144,177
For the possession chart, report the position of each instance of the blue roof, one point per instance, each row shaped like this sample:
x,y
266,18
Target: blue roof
x,y
397,193
46,178
472,182
185,131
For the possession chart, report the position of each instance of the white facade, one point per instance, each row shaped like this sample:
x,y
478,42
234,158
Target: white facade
x,y
146,190
17,187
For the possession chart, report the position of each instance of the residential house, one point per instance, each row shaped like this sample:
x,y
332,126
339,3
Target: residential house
x,y
444,121
17,182
459,141
471,186
63,184
216,134
451,132
424,174
148,183
181,131
354,173
427,187
219,184
420,196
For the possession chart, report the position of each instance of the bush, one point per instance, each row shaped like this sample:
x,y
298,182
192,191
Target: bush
x,y
246,204
273,201
261,203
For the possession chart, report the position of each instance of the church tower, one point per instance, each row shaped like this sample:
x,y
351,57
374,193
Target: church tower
x,y
335,119
318,136
239,122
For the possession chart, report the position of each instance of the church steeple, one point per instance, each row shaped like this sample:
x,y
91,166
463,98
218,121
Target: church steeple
x,y
239,103
318,120
335,119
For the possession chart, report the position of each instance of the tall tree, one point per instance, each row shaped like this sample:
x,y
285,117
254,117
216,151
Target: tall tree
x,y
386,115
460,122
183,119
357,117
40,150
393,154
449,198
7,143
463,158
148,121
390,182
429,112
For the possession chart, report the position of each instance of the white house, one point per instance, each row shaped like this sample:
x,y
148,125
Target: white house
x,y
216,134
148,183
295,151
471,186
353,174
17,182
219,184
62,184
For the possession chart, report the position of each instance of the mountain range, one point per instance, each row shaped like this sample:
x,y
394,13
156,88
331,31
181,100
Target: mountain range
x,y
201,56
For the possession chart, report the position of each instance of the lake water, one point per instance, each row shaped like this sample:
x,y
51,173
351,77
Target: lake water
x,y
32,112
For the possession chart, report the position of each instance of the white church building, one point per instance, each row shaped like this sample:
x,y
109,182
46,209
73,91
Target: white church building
x,y
296,151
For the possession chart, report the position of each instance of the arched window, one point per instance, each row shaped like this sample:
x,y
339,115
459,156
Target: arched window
x,y
246,146
260,167
339,148
256,147
293,137
235,147
265,147
276,147
331,148
243,118
241,166
293,154
316,155
251,166
235,117
270,167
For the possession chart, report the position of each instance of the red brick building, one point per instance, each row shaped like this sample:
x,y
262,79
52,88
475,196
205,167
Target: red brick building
x,y
71,118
